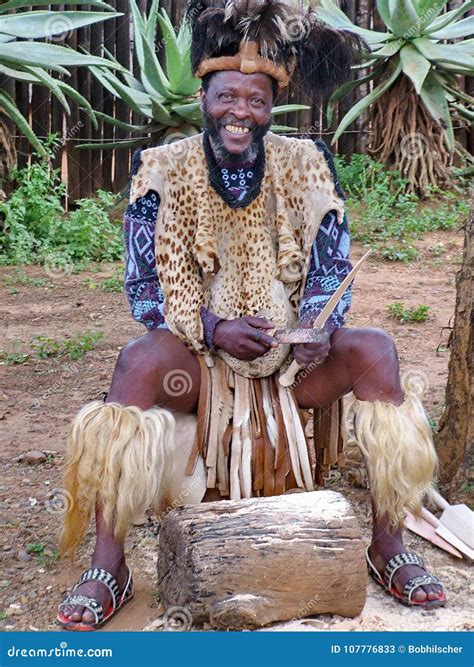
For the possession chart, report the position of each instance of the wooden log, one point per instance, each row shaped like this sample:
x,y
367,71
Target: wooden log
x,y
248,563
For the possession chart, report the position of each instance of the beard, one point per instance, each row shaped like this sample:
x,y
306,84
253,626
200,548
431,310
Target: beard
x,y
213,128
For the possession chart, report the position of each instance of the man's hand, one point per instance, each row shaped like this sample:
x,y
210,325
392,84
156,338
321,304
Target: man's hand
x,y
243,338
312,353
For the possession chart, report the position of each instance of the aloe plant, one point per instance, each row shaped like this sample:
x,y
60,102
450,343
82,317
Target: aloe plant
x,y
166,98
413,68
29,61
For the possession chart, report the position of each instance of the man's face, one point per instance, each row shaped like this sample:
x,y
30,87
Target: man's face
x,y
237,113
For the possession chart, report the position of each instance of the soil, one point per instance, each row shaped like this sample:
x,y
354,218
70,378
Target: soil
x,y
38,399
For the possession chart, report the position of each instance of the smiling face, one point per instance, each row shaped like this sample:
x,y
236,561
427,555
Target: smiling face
x,y
237,113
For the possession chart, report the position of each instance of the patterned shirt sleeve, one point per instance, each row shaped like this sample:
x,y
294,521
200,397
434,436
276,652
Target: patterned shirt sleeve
x,y
142,286
329,266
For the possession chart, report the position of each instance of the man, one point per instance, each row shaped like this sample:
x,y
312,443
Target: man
x,y
250,236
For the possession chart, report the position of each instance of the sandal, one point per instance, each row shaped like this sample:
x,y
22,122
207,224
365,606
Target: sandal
x,y
393,565
95,574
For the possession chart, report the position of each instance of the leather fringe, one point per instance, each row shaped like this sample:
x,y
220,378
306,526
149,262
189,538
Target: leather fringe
x,y
254,439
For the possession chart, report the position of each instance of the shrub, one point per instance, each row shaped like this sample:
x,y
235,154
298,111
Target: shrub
x,y
398,311
36,228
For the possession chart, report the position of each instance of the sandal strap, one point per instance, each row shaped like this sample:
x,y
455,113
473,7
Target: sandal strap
x,y
399,561
98,574
87,602
415,582
128,589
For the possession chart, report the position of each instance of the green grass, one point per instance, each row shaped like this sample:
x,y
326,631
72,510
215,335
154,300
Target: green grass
x,y
15,356
43,558
43,347
19,277
399,312
74,347
386,218
113,284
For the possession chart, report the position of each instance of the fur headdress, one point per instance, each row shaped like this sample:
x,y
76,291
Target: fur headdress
x,y
281,38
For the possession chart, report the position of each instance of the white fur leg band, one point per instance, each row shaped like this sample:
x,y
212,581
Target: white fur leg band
x,y
116,455
399,452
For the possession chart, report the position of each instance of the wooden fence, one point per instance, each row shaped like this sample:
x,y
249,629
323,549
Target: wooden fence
x,y
87,170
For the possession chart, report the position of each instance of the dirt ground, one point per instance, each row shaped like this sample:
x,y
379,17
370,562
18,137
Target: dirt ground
x,y
38,399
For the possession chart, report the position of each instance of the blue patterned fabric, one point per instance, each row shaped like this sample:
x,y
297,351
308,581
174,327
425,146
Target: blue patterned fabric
x,y
329,266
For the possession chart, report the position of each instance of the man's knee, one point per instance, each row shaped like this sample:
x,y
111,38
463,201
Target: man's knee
x,y
140,355
157,369
372,361
365,346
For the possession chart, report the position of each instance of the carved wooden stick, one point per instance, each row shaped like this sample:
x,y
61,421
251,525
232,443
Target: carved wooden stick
x,y
288,378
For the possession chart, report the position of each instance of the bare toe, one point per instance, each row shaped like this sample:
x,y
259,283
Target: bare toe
x,y
77,614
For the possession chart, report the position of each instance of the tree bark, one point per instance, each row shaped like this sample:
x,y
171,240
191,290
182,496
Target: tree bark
x,y
456,430
7,154
248,563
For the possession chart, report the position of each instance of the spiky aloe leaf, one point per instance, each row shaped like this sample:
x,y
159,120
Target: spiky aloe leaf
x,y
18,75
139,102
189,84
39,24
463,28
384,11
50,56
278,129
190,112
174,61
80,100
151,21
404,19
154,72
388,50
9,106
415,66
122,125
365,102
46,79
289,108
125,143
445,53
162,115
20,4
466,113
449,18
428,10
433,97
344,90
331,14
